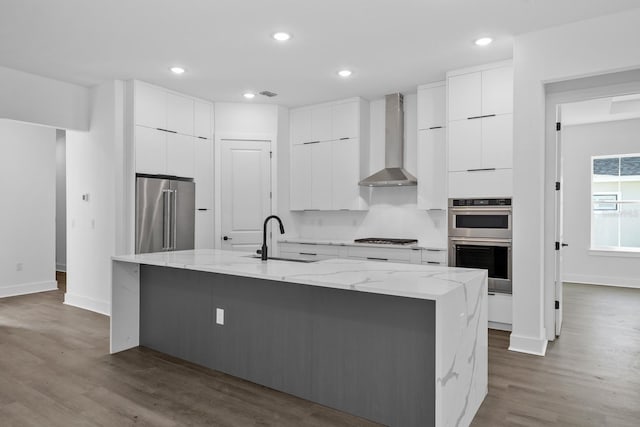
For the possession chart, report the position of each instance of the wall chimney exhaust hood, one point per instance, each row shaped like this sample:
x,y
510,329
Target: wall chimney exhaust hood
x,y
393,174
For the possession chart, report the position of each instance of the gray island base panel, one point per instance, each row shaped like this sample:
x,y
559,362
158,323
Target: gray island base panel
x,y
400,344
366,354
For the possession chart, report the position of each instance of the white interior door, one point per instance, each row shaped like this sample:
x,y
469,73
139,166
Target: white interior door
x,y
245,191
558,220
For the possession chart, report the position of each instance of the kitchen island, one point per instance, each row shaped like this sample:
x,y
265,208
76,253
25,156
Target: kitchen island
x,y
399,344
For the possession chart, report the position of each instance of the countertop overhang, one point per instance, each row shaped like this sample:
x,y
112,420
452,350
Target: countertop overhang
x,y
404,280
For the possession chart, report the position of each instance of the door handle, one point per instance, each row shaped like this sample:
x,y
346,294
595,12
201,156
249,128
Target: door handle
x,y
227,238
565,244
174,219
166,220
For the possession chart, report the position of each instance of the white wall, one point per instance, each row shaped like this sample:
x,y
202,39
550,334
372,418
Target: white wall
x,y
93,168
27,226
35,99
580,142
61,201
585,48
392,211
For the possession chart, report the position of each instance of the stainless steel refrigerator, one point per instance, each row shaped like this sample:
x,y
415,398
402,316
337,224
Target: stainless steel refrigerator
x,y
165,214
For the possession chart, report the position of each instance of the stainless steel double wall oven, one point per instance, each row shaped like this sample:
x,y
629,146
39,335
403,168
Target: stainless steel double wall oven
x,y
480,236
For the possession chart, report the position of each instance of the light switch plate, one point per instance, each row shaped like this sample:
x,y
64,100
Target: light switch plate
x,y
220,316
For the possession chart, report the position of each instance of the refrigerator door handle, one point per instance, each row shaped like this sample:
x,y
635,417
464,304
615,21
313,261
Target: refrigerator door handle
x,y
166,220
174,219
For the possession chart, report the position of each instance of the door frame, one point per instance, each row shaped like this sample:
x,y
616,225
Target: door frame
x,y
217,199
558,93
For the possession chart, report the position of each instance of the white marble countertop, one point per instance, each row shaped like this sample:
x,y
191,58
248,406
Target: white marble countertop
x,y
406,280
352,243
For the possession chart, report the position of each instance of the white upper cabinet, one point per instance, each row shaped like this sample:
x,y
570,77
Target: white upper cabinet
x,y
162,109
497,146
465,145
150,106
180,114
203,119
325,155
203,173
321,123
151,150
432,169
345,119
465,96
497,91
180,155
431,106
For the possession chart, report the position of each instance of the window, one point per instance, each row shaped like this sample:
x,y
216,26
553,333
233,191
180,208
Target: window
x,y
615,202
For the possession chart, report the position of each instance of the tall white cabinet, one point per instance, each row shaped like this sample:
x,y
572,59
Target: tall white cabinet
x,y
326,155
480,131
172,134
432,148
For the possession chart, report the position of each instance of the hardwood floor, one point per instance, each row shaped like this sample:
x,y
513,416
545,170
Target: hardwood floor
x,y
55,370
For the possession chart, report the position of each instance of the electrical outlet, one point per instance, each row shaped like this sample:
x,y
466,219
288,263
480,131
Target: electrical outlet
x,y
220,316
19,266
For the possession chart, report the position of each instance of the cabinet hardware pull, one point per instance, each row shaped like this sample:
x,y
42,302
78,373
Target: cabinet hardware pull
x,y
481,169
203,209
435,127
343,138
310,210
310,142
307,243
481,117
203,137
434,250
166,130
377,259
433,262
491,293
307,253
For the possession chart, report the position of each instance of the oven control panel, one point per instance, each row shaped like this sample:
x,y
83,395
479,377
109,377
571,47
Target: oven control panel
x,y
479,202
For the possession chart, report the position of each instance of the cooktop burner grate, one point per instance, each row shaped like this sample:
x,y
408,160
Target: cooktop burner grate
x,y
385,241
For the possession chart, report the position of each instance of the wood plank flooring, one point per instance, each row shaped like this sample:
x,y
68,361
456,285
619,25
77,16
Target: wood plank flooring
x,y
55,370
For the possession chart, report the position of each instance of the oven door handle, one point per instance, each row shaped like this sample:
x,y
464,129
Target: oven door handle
x,y
481,242
474,210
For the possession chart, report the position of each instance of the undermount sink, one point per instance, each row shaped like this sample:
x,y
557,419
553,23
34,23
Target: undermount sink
x,y
275,258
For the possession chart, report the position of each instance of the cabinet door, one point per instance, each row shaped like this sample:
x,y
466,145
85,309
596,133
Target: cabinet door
x,y
180,155
180,114
300,180
497,91
150,106
345,120
204,229
321,123
321,176
151,150
300,126
465,96
432,170
203,115
345,163
465,145
203,173
497,142
431,107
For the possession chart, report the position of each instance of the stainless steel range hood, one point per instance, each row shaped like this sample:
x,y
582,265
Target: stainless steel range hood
x,y
393,173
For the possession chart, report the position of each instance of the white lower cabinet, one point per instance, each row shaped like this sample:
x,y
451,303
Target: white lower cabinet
x,y
434,256
308,251
204,229
500,313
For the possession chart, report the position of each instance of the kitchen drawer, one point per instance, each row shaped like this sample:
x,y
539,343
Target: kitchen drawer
x,y
434,256
305,255
309,248
500,308
380,254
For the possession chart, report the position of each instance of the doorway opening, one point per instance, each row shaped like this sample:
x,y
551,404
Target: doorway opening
x,y
594,190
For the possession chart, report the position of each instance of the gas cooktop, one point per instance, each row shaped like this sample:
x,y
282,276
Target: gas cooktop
x,y
384,241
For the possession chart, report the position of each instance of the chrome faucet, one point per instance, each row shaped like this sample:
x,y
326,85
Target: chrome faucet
x,y
264,249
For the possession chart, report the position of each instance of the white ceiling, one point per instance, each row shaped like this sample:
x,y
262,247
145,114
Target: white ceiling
x,y
391,45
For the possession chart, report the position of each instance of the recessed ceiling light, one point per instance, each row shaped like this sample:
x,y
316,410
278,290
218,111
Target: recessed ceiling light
x,y
281,36
344,73
484,41
177,70
249,95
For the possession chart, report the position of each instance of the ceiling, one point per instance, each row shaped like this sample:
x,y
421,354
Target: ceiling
x,y
225,45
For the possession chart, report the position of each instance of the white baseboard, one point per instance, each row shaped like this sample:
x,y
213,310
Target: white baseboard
x,y
500,326
529,345
621,282
61,267
28,288
87,303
